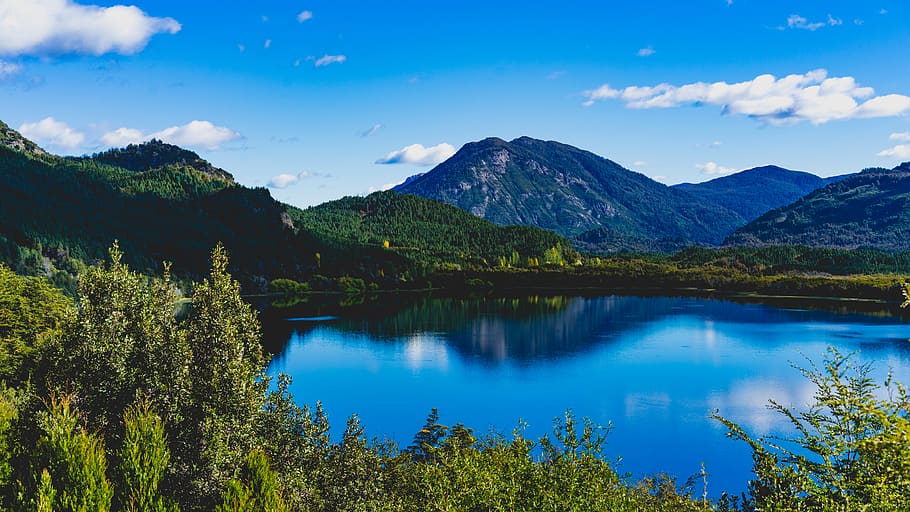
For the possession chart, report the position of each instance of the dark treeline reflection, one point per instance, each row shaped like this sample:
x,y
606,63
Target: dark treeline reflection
x,y
523,329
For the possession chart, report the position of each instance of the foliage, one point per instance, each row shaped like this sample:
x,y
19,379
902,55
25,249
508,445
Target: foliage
x,y
259,490
421,233
144,457
74,460
29,309
851,451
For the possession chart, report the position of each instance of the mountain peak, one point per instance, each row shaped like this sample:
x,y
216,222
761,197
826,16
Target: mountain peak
x,y
753,192
15,140
154,154
559,187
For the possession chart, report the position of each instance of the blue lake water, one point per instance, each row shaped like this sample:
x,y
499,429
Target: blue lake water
x,y
653,367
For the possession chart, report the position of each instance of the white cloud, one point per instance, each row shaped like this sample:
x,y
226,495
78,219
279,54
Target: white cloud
x,y
287,180
714,168
198,134
267,44
646,52
416,154
903,137
371,131
901,151
53,27
53,132
201,134
8,69
304,16
283,180
241,47
123,137
812,97
640,163
325,60
798,22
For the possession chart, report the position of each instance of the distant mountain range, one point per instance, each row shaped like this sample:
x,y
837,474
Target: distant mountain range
x,y
598,203
868,209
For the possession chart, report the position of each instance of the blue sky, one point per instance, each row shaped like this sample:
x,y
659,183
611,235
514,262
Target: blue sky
x,y
309,97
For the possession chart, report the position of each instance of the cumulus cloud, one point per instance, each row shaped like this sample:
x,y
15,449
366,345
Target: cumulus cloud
x,y
304,16
798,22
197,134
283,180
903,137
714,168
123,137
325,60
371,131
54,27
812,97
287,180
646,52
416,154
53,132
901,152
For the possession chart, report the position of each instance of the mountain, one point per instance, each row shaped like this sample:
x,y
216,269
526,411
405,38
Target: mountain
x,y
598,203
868,209
14,140
753,192
154,154
414,226
164,203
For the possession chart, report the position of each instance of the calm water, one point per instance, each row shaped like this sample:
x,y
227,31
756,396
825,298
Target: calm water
x,y
652,366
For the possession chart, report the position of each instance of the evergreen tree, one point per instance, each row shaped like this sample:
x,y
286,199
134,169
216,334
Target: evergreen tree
x,y
144,457
75,463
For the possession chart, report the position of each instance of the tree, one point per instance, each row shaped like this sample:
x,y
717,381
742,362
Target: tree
x,y
74,462
123,342
144,457
851,451
259,489
226,389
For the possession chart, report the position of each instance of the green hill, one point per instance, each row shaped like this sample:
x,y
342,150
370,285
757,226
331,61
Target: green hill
x,y
868,209
424,230
164,203
754,192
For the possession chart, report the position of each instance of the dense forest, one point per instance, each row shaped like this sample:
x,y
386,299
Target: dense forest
x,y
867,209
127,399
163,203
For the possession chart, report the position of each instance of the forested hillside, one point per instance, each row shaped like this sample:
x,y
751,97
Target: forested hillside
x,y
753,192
868,209
164,203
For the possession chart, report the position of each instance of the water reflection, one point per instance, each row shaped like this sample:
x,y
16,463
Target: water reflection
x,y
653,366
527,329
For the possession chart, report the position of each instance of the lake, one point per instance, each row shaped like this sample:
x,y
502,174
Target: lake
x,y
653,367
